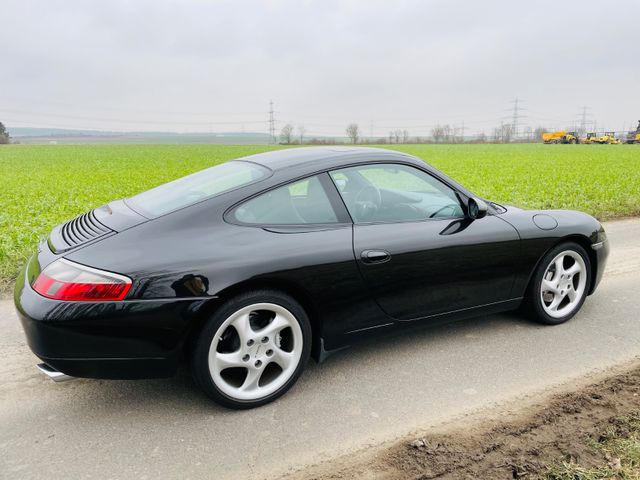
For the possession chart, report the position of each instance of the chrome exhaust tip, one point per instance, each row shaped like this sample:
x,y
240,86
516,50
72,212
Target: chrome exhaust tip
x,y
52,373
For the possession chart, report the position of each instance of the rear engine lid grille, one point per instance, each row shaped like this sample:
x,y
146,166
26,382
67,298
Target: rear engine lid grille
x,y
82,229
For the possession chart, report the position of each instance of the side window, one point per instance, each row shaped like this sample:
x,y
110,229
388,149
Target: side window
x,y
294,204
394,193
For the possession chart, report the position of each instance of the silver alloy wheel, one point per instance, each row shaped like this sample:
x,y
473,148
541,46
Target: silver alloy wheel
x,y
563,284
255,351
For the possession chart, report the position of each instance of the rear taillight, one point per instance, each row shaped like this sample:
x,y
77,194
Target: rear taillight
x,y
65,280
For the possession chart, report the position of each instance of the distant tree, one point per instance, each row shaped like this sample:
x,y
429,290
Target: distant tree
x,y
442,134
390,137
286,134
456,136
503,133
405,136
537,133
446,133
301,131
497,135
353,132
482,138
508,133
4,135
437,133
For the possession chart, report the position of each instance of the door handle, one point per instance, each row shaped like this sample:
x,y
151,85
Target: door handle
x,y
375,256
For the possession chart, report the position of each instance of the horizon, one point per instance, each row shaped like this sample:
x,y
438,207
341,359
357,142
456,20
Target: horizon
x,y
196,66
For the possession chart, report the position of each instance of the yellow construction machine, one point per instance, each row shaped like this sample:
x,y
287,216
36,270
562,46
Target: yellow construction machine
x,y
561,136
607,138
633,136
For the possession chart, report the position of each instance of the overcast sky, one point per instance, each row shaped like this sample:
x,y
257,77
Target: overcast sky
x,y
197,65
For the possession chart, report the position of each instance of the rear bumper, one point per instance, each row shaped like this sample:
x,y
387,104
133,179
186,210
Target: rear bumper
x,y
115,340
112,368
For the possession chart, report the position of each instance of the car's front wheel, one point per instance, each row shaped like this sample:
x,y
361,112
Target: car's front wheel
x,y
560,284
252,350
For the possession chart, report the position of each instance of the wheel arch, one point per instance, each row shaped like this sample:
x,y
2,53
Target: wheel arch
x,y
297,292
585,243
581,240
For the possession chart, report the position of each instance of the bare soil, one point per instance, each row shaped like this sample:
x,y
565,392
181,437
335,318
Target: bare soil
x,y
528,443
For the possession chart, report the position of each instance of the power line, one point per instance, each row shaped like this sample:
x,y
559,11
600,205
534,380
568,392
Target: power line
x,y
272,123
516,117
583,120
513,115
127,110
126,121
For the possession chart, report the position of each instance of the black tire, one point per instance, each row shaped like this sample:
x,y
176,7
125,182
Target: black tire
x,y
533,303
199,359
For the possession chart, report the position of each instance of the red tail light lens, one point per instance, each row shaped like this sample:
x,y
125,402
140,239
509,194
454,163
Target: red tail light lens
x,y
65,280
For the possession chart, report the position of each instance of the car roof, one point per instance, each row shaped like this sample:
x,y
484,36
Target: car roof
x,y
312,157
290,163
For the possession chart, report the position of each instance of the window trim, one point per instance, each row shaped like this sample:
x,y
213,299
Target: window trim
x,y
460,197
339,209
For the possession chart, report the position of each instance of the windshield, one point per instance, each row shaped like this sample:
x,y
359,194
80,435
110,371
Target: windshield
x,y
195,187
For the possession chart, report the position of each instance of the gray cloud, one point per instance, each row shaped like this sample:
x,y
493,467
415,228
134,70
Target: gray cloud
x,y
191,65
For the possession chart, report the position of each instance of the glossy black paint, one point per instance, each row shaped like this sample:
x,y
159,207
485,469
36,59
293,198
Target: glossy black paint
x,y
437,264
186,263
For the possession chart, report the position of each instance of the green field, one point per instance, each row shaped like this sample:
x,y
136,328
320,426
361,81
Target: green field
x,y
45,185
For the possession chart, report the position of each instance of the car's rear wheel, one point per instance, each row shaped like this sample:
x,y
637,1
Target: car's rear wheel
x,y
252,350
560,284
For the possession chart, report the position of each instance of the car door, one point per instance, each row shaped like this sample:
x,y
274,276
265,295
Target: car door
x,y
301,240
418,253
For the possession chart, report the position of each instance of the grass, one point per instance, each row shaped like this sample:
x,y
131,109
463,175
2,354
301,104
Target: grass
x,y
603,180
620,445
45,185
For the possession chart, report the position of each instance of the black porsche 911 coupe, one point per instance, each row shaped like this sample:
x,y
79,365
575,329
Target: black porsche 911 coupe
x,y
252,266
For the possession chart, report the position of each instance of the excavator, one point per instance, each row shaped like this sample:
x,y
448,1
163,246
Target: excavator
x,y
633,136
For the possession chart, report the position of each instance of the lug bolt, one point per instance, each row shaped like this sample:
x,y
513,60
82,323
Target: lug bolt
x,y
250,342
265,339
269,352
258,363
245,358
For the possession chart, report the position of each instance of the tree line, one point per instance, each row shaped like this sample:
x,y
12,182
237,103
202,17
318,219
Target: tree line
x,y
5,138
445,133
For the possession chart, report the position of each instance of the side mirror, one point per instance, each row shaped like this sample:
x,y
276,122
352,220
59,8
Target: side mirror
x,y
477,208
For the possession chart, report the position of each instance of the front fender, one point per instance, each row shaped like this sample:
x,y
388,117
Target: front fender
x,y
541,230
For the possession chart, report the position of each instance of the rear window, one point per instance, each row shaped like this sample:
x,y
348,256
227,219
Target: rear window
x,y
195,187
